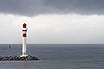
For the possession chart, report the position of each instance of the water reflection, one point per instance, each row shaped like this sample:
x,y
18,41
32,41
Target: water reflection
x,y
24,64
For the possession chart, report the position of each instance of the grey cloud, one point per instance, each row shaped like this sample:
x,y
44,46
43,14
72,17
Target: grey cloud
x,y
36,7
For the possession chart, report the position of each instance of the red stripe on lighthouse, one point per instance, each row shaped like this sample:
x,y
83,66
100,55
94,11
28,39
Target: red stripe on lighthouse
x,y
24,35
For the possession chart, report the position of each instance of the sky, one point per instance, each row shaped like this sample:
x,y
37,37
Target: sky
x,y
52,21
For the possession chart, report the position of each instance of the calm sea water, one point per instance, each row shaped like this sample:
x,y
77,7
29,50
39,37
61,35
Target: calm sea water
x,y
56,56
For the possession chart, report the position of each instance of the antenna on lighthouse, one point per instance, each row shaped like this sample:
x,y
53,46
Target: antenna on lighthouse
x,y
24,30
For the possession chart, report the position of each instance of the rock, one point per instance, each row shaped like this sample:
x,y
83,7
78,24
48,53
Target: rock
x,y
17,58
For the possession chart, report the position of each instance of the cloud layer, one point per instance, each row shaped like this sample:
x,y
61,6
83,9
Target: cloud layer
x,y
36,7
49,26
53,29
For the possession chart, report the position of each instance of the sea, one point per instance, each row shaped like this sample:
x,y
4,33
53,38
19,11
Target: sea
x,y
55,56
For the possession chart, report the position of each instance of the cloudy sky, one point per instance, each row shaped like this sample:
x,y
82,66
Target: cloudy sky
x,y
52,21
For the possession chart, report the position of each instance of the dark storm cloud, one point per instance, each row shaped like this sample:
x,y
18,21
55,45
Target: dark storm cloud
x,y
35,7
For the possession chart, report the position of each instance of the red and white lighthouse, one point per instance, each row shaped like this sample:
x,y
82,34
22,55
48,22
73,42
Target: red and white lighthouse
x,y
24,30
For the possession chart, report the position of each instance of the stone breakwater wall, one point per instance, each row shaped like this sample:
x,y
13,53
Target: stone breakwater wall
x,y
17,58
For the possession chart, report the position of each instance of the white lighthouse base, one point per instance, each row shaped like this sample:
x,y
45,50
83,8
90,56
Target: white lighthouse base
x,y
23,55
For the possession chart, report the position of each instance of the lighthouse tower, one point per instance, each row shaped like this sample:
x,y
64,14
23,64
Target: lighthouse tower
x,y
24,30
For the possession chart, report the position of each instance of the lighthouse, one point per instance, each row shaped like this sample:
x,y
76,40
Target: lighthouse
x,y
24,30
24,56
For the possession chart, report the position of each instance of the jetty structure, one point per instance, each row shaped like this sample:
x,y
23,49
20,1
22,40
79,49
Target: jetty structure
x,y
24,56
